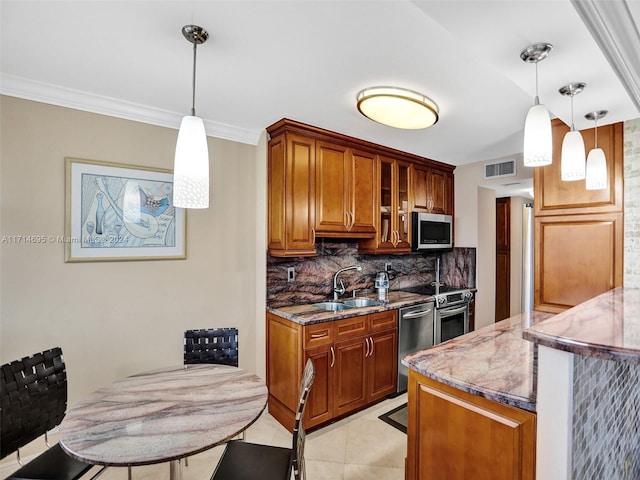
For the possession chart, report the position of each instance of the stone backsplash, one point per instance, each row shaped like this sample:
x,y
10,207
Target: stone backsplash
x,y
314,275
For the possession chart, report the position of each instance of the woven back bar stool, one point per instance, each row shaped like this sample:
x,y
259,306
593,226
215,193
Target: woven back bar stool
x,y
33,400
213,345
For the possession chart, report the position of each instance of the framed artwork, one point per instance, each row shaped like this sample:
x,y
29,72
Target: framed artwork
x,y
117,212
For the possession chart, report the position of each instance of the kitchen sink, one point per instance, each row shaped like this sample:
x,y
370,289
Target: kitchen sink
x,y
361,302
331,306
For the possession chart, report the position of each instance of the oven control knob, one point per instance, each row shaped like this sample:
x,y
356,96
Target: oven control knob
x,y
468,296
441,300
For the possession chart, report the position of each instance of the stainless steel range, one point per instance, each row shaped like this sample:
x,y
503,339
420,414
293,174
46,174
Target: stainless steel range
x,y
425,325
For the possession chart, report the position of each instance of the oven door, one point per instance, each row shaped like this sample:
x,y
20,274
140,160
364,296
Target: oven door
x,y
451,322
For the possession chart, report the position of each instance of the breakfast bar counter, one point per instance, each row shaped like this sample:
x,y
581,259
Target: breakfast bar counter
x,y
494,362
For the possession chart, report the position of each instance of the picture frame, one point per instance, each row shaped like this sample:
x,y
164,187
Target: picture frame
x,y
118,212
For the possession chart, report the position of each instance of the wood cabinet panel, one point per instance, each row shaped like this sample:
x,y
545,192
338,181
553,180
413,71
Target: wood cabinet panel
x,y
333,175
291,196
363,194
555,197
577,257
381,321
351,327
455,435
284,342
432,190
382,372
318,334
320,406
350,376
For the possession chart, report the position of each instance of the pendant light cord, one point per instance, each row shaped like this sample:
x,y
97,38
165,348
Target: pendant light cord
x,y
537,100
596,128
572,127
193,83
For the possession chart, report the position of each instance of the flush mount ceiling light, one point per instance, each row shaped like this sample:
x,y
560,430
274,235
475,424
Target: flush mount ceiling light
x,y
538,147
191,164
397,107
596,174
573,158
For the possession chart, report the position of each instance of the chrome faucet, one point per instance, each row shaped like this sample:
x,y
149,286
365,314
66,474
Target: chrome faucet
x,y
337,291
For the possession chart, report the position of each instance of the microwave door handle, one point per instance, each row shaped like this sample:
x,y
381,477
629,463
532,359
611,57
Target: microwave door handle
x,y
448,313
417,314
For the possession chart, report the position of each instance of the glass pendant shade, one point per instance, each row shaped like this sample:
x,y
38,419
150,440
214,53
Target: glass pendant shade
x,y
596,170
191,165
573,157
538,145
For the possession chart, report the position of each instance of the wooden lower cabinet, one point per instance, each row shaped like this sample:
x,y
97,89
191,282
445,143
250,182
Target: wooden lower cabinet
x,y
355,360
455,435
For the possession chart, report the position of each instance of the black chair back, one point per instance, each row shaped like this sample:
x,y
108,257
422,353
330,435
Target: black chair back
x,y
215,345
33,393
299,435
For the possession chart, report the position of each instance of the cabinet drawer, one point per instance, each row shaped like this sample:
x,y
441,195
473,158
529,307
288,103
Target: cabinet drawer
x,y
383,321
317,335
351,327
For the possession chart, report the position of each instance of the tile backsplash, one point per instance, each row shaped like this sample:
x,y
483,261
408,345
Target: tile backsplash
x,y
314,275
606,415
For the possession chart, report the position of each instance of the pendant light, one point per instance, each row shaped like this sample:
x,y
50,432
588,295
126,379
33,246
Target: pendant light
x,y
572,156
538,147
191,164
596,174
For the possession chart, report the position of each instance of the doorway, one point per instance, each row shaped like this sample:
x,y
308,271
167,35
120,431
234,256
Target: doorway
x,y
503,258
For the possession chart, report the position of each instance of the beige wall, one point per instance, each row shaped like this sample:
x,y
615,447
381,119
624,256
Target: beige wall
x,y
475,220
117,318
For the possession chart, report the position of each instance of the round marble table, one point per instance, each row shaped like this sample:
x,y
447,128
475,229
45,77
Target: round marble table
x,y
163,415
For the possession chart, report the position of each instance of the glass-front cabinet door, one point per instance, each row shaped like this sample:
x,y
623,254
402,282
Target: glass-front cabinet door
x,y
402,207
394,226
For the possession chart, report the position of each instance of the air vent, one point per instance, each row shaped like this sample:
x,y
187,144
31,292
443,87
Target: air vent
x,y
500,169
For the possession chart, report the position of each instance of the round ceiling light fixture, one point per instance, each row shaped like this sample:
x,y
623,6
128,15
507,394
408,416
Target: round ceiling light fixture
x,y
397,107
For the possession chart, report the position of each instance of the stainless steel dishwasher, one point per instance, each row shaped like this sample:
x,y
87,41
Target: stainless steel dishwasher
x,y
415,333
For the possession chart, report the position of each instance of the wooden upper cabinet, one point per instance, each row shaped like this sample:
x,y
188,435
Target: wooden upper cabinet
x,y
432,190
345,195
555,197
291,195
394,214
324,184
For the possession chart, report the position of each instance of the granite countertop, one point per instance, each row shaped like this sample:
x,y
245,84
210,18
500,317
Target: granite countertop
x,y
306,314
606,326
494,362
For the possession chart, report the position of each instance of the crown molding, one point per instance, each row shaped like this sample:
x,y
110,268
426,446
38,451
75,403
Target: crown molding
x,y
613,28
28,89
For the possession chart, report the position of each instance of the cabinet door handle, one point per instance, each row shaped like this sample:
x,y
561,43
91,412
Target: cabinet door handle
x,y
353,220
371,340
318,335
313,236
366,354
333,358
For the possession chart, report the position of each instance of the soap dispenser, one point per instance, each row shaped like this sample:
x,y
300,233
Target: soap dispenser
x,y
382,284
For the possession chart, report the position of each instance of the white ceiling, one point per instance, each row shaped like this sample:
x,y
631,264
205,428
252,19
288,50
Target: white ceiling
x,y
307,59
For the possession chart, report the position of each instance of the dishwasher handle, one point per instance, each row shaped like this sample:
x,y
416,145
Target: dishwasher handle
x,y
417,314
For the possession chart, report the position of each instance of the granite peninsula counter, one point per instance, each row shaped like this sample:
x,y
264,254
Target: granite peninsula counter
x,y
494,362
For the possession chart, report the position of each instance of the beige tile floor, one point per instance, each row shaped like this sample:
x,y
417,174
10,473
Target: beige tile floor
x,y
358,447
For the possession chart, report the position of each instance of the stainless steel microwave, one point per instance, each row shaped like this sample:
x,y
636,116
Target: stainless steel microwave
x,y
430,231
